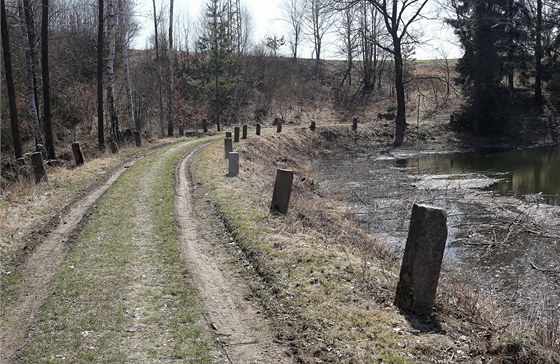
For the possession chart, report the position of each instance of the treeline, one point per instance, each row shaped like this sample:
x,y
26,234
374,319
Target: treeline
x,y
68,63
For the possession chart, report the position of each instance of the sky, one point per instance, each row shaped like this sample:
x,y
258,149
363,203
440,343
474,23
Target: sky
x,y
439,40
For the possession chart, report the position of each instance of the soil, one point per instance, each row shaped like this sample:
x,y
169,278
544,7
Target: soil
x,y
242,329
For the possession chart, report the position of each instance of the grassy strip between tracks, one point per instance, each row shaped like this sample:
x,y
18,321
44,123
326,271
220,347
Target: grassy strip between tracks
x,y
122,294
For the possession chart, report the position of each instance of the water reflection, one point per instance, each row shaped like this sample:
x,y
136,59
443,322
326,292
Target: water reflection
x,y
521,172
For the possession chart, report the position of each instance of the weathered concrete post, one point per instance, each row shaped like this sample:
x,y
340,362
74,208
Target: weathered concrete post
x,y
258,132
236,134
312,126
233,164
137,138
279,128
78,155
282,191
228,134
422,259
244,132
228,147
355,124
205,126
38,167
181,130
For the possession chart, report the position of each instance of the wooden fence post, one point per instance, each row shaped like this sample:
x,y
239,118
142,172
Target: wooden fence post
x,y
282,191
233,164
228,134
258,132
422,259
78,155
38,167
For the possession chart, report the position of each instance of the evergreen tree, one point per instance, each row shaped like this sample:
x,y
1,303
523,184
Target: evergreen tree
x,y
220,59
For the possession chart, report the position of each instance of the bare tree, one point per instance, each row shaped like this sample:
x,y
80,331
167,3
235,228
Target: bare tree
x,y
125,13
320,19
100,122
112,20
170,64
398,16
349,45
46,80
160,78
14,120
294,12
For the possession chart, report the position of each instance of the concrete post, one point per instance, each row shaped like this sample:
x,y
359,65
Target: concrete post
x,y
236,134
279,128
38,167
205,126
228,134
422,259
355,124
228,147
78,155
312,126
258,132
282,191
244,132
233,164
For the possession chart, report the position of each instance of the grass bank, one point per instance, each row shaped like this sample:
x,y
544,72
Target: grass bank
x,y
328,284
122,294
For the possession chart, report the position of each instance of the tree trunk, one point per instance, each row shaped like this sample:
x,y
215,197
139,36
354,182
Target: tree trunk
x,y
31,95
111,97
100,123
538,55
400,120
126,66
46,80
160,79
170,58
14,120
30,28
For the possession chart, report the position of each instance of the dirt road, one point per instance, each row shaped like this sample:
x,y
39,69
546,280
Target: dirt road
x,y
130,288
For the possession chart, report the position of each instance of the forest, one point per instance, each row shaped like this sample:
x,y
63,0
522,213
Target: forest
x,y
70,72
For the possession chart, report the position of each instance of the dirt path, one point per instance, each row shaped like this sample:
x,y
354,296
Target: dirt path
x,y
38,271
243,332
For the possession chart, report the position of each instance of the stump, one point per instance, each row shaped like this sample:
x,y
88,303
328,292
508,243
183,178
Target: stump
x,y
258,132
38,167
236,134
282,191
78,155
137,138
355,124
312,126
422,259
228,147
244,132
233,164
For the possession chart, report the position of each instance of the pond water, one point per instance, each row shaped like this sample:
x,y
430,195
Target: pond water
x,y
503,211
520,172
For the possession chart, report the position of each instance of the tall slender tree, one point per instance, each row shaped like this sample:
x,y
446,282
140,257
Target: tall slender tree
x,y
112,20
47,117
170,59
100,109
538,53
125,33
160,78
14,120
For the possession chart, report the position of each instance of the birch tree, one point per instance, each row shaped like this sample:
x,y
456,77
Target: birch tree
x,y
46,79
14,120
100,109
160,78
112,19
170,63
125,33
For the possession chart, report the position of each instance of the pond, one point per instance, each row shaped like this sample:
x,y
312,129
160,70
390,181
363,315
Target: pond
x,y
502,207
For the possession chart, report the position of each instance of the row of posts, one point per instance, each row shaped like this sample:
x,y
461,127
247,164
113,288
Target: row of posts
x,y
425,244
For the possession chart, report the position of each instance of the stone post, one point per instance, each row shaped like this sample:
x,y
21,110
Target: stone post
x,y
422,259
236,134
244,132
312,126
282,191
228,147
279,128
205,126
138,138
233,164
38,167
78,155
228,134
355,124
258,129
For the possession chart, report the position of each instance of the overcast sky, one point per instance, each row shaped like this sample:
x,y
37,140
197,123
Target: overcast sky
x,y
267,20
